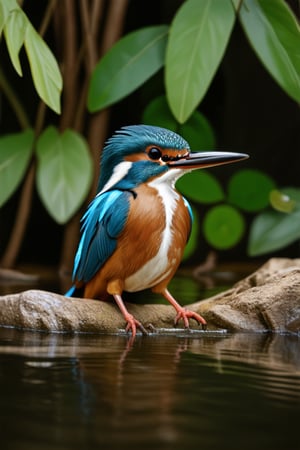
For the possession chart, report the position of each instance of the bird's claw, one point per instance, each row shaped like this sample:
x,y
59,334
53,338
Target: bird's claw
x,y
186,314
133,324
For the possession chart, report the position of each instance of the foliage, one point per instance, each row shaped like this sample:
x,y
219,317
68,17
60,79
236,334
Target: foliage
x,y
15,154
273,33
63,173
18,31
198,37
250,190
197,40
223,226
276,227
131,62
277,212
64,168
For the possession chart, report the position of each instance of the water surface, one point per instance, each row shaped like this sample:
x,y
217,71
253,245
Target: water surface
x,y
185,391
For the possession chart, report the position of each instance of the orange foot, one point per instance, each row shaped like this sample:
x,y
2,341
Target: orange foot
x,y
183,313
132,323
186,314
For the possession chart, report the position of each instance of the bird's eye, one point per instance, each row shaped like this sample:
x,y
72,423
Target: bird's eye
x,y
154,153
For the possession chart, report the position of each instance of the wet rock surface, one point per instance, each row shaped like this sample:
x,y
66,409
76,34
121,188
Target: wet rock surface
x,y
267,300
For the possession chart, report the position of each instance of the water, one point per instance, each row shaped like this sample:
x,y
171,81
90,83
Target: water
x,y
192,391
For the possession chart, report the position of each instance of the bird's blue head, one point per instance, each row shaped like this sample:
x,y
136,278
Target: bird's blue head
x,y
137,153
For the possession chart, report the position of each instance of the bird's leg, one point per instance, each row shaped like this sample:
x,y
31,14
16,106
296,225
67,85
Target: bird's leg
x,y
183,313
132,323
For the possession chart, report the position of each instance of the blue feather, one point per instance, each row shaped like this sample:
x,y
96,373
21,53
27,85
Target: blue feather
x,y
71,291
102,223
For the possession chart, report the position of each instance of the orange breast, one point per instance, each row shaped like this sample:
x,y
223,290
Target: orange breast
x,y
144,243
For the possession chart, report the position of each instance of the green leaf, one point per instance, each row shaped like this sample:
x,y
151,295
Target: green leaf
x,y
223,227
14,31
293,193
15,153
194,237
273,230
43,65
129,63
197,130
274,34
201,186
281,202
249,190
6,7
44,69
198,38
64,172
159,114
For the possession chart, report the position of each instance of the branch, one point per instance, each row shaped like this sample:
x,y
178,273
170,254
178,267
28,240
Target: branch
x,y
70,63
14,101
114,24
47,17
18,231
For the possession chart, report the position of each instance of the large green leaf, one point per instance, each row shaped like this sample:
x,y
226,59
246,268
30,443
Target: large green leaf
x,y
249,189
274,34
201,186
129,63
15,153
44,69
223,226
273,230
64,172
198,38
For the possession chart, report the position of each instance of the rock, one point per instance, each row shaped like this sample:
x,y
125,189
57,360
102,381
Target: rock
x,y
267,300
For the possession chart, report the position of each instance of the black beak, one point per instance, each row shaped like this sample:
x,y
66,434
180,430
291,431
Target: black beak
x,y
200,160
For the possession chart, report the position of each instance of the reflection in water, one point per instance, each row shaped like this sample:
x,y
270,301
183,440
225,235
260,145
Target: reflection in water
x,y
215,391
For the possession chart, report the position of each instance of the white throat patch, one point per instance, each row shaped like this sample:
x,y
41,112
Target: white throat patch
x,y
120,171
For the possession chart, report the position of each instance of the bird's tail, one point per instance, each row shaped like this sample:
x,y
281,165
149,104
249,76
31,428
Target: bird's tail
x,y
74,292
71,291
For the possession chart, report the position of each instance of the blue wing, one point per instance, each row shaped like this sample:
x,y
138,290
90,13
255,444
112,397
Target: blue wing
x,y
103,221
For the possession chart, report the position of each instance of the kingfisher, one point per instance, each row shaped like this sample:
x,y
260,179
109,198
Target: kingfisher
x,y
134,231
